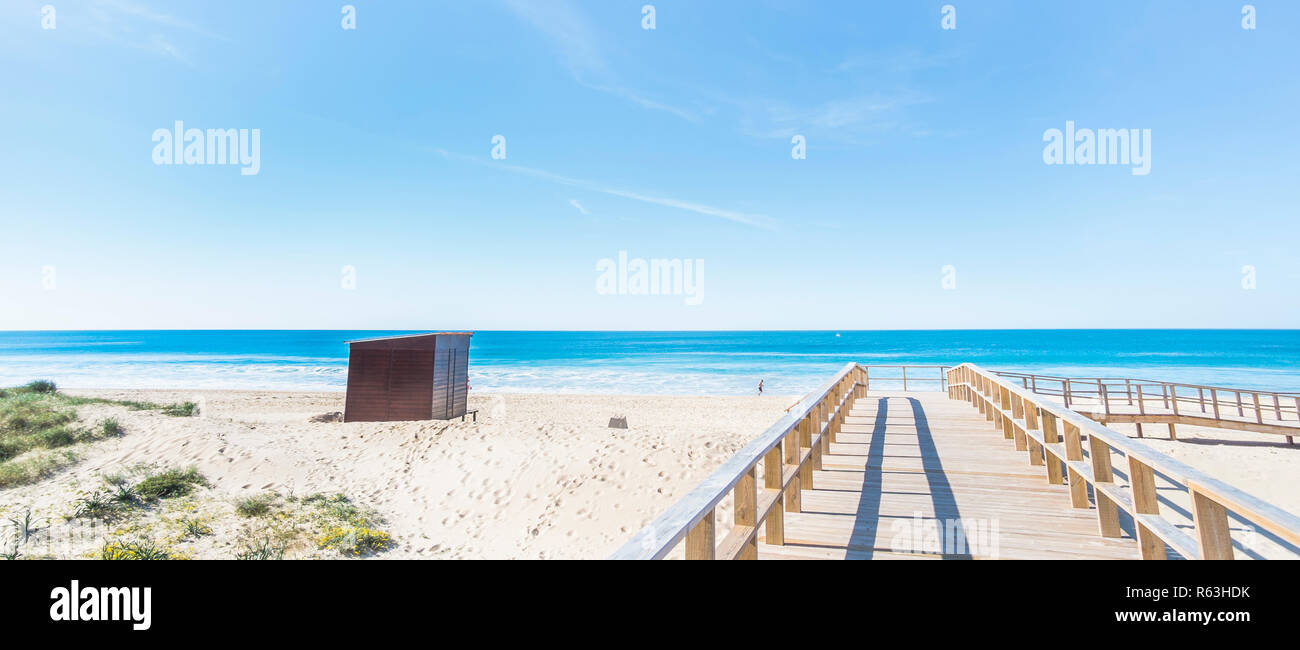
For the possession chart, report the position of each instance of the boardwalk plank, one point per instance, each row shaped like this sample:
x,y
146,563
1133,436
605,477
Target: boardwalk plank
x,y
909,469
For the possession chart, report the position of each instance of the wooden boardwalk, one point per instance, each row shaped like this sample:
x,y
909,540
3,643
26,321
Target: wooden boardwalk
x,y
983,469
907,470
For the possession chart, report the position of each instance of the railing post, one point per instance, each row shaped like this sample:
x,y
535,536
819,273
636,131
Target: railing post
x,y
1128,388
1142,484
1164,393
746,510
1259,415
1173,394
773,473
1008,423
1142,409
1107,509
1066,390
793,491
1289,439
1074,452
1051,436
1241,413
904,379
1213,537
1020,411
805,468
1214,400
700,541
1105,398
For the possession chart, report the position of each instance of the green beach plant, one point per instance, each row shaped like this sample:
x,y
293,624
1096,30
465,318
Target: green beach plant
x,y
195,528
99,504
24,526
39,386
141,548
170,483
36,417
263,549
257,505
34,466
110,428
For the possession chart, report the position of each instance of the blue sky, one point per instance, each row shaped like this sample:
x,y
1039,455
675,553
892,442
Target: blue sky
x,y
924,150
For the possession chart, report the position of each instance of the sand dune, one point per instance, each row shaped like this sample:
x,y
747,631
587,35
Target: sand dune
x,y
538,476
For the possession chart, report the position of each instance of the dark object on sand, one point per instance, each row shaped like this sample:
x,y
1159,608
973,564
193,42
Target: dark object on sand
x,y
415,377
328,417
619,422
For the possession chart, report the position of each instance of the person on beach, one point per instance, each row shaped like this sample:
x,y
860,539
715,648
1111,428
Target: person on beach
x,y
760,387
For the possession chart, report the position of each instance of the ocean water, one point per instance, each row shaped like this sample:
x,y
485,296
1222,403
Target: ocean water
x,y
711,363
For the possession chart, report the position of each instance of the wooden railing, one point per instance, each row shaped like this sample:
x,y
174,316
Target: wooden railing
x,y
927,376
1054,437
789,451
1138,400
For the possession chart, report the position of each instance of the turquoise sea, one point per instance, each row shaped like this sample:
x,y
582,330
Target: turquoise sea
x,y
717,363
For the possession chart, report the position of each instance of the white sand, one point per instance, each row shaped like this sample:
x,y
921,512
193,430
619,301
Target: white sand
x,y
538,476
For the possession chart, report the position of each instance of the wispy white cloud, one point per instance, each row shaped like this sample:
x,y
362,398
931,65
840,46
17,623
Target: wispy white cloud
x,y
755,220
578,43
568,29
644,102
149,15
137,26
581,210
842,118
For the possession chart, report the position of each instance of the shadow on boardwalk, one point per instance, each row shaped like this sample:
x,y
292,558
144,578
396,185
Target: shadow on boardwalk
x,y
869,532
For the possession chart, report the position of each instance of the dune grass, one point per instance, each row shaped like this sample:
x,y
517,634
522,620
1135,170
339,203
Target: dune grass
x,y
36,418
169,484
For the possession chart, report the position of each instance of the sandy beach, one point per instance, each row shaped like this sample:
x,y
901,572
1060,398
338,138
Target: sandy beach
x,y
537,476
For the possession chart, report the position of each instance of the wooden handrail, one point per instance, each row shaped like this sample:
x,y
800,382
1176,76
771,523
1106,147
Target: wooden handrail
x,y
1042,422
806,432
1092,381
1284,407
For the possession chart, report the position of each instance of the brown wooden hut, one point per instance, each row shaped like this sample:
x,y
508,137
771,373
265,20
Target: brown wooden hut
x,y
413,377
